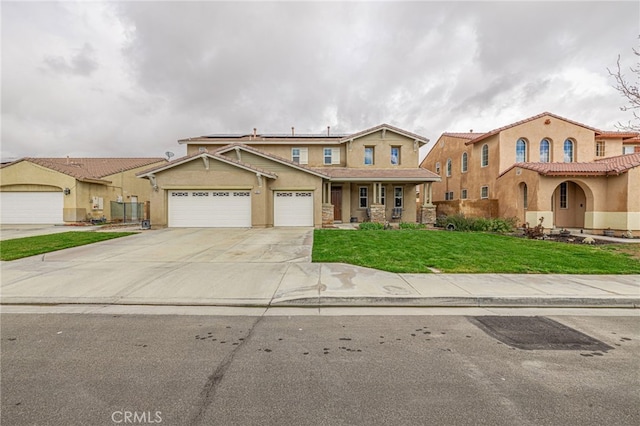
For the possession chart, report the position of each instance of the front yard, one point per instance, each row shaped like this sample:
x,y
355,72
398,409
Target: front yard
x,y
418,251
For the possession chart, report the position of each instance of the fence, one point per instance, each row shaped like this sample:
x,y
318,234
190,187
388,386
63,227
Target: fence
x,y
127,212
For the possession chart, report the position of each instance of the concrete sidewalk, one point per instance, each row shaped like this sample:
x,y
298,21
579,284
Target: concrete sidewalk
x,y
291,284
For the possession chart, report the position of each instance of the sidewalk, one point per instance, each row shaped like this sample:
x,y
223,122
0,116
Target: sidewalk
x,y
300,284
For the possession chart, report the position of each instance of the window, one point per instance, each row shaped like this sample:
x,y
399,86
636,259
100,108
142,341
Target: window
x,y
563,195
395,155
521,151
368,155
544,151
300,155
568,151
383,195
484,192
525,196
465,162
438,168
463,194
364,192
448,196
599,148
484,161
332,156
397,196
449,167
627,150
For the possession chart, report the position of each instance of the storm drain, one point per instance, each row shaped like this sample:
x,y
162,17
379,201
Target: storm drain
x,y
537,333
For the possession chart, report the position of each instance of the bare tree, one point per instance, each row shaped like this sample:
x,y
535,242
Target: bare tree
x,y
629,89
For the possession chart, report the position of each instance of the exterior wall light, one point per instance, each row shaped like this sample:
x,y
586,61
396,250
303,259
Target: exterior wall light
x,y
66,191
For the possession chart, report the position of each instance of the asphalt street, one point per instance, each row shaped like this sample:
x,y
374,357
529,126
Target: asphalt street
x,y
105,369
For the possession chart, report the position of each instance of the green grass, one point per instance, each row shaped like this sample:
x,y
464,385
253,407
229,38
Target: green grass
x,y
31,246
466,252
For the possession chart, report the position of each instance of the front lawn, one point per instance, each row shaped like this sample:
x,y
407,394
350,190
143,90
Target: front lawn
x,y
31,246
466,252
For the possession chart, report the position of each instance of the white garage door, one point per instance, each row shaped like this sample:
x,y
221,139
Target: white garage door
x,y
293,208
209,209
31,207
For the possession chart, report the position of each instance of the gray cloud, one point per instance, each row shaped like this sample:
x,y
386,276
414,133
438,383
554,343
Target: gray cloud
x,y
169,70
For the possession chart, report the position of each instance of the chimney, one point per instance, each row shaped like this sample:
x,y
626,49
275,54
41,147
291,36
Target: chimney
x,y
293,131
328,130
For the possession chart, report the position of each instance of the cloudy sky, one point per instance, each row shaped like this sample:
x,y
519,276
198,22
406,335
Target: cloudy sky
x,y
131,78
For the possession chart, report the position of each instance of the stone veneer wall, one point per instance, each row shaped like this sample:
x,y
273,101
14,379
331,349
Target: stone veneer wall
x,y
378,213
327,214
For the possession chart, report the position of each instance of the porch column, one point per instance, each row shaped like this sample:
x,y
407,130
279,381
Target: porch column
x,y
327,207
428,210
377,209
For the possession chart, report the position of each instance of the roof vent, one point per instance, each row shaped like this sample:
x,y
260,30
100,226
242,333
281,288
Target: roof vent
x,y
293,131
328,130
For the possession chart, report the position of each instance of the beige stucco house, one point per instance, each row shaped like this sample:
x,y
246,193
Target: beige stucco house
x,y
546,166
263,180
63,190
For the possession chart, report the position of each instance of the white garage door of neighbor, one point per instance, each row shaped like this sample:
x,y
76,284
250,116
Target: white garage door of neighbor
x,y
31,207
210,208
293,208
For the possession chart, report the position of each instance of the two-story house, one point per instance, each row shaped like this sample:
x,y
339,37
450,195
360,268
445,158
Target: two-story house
x,y
546,166
262,180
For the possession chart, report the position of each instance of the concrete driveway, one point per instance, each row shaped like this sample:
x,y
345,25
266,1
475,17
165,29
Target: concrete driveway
x,y
198,245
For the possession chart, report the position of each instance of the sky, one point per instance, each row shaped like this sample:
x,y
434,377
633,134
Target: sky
x,y
128,79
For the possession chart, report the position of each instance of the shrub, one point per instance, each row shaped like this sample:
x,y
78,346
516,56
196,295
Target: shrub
x,y
371,226
458,222
411,225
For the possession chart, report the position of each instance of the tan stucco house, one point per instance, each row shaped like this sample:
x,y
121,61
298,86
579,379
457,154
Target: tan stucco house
x,y
573,175
63,190
263,180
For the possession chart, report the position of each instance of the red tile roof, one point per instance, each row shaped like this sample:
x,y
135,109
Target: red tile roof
x,y
526,120
616,135
604,167
95,169
469,135
631,140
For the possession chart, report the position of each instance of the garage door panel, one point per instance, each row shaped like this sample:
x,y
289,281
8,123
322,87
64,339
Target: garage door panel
x,y
293,208
209,209
31,207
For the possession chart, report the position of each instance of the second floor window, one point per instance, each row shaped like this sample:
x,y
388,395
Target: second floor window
x,y
331,156
300,155
395,155
521,151
544,151
368,155
600,149
449,167
438,168
568,151
484,160
465,162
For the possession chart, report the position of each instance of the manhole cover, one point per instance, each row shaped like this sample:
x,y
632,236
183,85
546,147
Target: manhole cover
x,y
537,333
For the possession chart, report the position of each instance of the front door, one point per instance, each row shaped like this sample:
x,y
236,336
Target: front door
x,y
336,200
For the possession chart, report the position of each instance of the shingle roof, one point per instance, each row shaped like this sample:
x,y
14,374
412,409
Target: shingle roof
x,y
90,168
604,167
388,127
526,120
366,174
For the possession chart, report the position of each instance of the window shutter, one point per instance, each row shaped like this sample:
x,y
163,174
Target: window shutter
x,y
304,155
335,155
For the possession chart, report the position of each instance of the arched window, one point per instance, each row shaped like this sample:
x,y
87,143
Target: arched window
x,y
521,151
438,168
525,196
465,161
544,151
484,158
568,151
449,167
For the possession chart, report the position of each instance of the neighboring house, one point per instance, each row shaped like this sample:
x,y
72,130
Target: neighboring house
x,y
265,180
58,190
573,175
